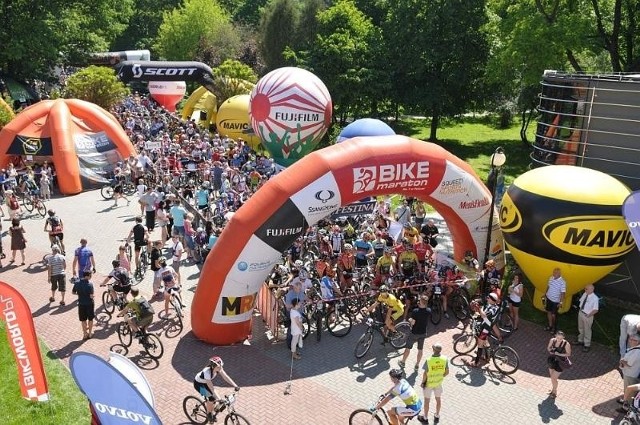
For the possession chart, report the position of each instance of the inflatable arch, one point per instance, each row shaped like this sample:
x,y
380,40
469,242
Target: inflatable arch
x,y
79,136
201,100
128,71
313,188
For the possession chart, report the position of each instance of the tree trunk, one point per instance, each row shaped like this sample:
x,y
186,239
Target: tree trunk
x,y
435,120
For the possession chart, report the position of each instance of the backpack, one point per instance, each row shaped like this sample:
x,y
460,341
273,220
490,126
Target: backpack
x,y
122,277
146,309
13,203
55,224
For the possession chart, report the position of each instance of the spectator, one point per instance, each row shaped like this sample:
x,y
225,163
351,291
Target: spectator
x,y
18,241
177,250
516,289
559,351
588,305
402,214
123,258
178,213
13,204
162,220
56,268
429,233
189,236
83,288
630,367
148,201
296,328
418,319
629,326
435,369
420,213
556,290
83,259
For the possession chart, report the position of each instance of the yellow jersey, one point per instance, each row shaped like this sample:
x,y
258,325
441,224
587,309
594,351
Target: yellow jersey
x,y
408,260
392,302
384,264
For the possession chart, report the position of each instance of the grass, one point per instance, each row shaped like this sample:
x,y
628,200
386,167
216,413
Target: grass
x,y
67,404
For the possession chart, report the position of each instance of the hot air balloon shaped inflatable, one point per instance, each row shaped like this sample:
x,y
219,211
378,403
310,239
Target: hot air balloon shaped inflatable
x,y
365,127
233,120
566,217
290,110
167,93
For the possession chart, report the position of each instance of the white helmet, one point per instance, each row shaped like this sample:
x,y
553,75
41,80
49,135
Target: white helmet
x,y
298,263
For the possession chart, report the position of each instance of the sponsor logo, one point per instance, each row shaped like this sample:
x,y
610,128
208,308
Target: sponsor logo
x,y
452,187
325,195
476,203
360,208
18,344
284,232
233,306
391,176
138,72
510,217
598,236
634,225
122,413
31,146
233,125
242,266
298,117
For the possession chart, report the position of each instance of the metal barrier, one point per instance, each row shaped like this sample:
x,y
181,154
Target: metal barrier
x,y
267,305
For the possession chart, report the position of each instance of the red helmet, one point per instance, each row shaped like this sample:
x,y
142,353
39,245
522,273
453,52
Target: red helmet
x,y
215,361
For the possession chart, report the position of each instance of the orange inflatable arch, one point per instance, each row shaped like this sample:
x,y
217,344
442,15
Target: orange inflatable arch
x,y
313,188
63,129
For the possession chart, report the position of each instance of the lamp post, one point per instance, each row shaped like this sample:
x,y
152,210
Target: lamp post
x,y
497,160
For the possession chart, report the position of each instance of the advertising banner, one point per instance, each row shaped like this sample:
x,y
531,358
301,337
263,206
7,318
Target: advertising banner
x,y
115,400
21,333
631,213
97,156
357,208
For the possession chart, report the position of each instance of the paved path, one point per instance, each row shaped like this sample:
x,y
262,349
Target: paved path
x,y
328,383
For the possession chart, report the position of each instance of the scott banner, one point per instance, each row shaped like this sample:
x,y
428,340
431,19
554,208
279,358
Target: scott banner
x,y
631,214
21,333
114,398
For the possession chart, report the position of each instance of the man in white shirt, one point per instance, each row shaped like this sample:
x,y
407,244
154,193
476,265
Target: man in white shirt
x,y
630,364
588,305
556,290
629,326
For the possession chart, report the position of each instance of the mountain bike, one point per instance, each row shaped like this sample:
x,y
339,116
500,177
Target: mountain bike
x,y
110,303
398,339
150,342
504,358
373,416
33,202
128,189
335,316
144,264
196,411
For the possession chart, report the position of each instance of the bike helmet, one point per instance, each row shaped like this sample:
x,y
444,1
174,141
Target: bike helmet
x,y
115,263
384,288
322,231
407,225
51,213
396,373
162,259
494,282
493,296
348,246
388,250
224,195
468,256
298,264
215,361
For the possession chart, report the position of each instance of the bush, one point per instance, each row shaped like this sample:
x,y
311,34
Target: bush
x,y
96,84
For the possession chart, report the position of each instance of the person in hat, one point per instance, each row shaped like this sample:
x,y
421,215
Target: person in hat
x,y
435,369
488,316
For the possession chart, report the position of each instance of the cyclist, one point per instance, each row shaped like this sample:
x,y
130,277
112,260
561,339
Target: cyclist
x,y
395,309
404,390
203,383
171,286
142,313
346,264
140,238
55,229
408,261
385,267
488,315
121,280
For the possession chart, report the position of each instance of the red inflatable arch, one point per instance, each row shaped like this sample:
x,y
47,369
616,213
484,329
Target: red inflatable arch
x,y
65,130
313,188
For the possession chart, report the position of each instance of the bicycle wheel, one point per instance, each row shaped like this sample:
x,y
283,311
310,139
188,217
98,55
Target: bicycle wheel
x,y
124,334
195,410
28,204
144,262
363,344
107,192
153,346
235,419
318,321
399,339
41,208
505,324
338,322
465,343
128,188
436,310
364,417
460,306
178,309
306,327
506,360
108,303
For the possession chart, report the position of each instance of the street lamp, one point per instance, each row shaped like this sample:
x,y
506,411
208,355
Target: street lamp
x,y
497,160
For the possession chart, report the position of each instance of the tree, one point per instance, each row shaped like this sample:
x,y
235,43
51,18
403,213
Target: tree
x,y
235,69
439,54
249,12
96,84
199,29
277,29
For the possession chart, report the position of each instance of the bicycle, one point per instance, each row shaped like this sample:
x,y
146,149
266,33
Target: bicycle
x,y
374,416
144,264
177,307
196,411
109,303
398,339
106,191
504,358
33,202
150,342
335,316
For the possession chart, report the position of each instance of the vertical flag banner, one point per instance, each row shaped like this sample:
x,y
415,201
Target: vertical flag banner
x,y
631,214
21,333
114,398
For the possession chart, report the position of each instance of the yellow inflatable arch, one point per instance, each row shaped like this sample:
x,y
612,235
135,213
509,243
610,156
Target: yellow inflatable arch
x,y
201,100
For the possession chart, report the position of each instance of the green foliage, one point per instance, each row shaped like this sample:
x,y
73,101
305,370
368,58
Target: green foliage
x,y
96,84
198,30
249,12
67,405
277,32
6,112
235,69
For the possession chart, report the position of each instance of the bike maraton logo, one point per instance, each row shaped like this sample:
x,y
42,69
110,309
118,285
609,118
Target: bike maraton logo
x,y
391,176
510,217
590,236
325,195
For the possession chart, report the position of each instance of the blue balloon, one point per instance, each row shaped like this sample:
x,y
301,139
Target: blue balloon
x,y
365,127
